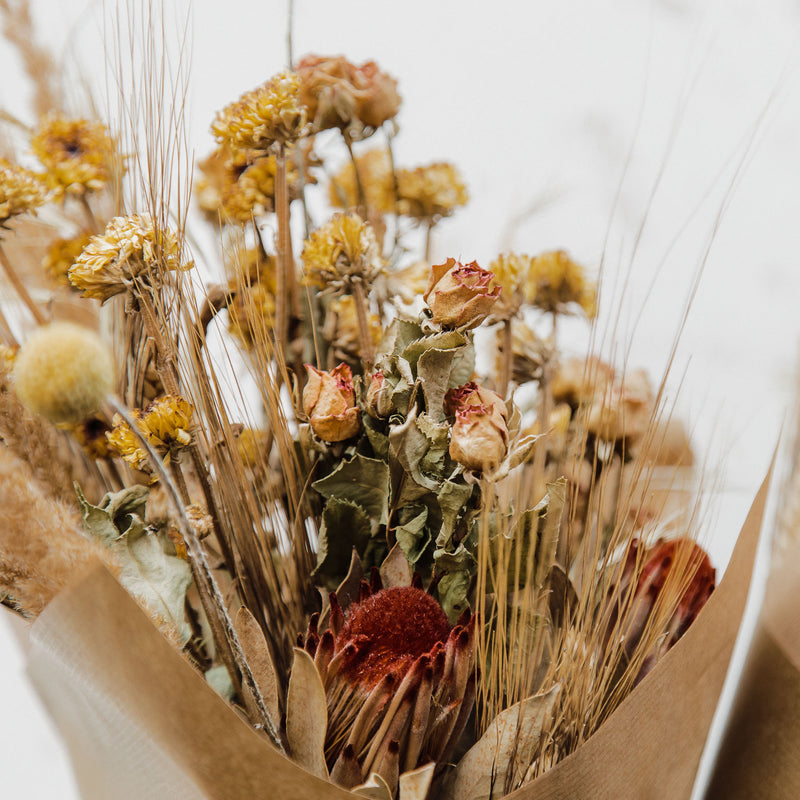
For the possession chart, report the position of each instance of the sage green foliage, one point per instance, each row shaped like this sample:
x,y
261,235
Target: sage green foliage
x,y
147,570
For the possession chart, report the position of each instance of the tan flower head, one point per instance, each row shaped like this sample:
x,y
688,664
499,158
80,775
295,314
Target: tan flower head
x,y
20,190
272,113
479,439
509,271
166,424
233,192
329,401
251,315
61,255
341,253
430,192
621,410
460,294
554,283
78,154
130,247
338,94
343,333
377,180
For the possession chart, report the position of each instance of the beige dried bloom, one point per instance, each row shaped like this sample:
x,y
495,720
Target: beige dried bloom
x,y
329,402
130,247
166,424
20,191
343,333
430,192
577,381
509,271
231,190
251,315
341,253
339,94
61,255
555,283
272,113
377,180
479,439
78,154
459,294
622,410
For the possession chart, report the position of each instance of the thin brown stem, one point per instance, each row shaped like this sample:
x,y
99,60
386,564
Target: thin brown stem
x,y
360,193
91,220
428,240
507,361
20,289
213,602
367,347
6,333
285,300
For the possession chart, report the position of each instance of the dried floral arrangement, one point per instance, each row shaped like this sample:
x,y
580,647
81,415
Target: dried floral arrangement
x,y
408,577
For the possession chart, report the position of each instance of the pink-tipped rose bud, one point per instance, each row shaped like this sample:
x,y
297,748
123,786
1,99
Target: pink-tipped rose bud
x,y
479,439
379,401
460,294
329,401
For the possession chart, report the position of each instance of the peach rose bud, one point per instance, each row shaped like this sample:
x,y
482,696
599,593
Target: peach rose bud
x,y
329,401
479,439
460,294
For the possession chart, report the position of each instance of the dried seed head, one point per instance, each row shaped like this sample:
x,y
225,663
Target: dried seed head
x,y
61,255
375,173
78,154
20,190
555,283
63,372
430,192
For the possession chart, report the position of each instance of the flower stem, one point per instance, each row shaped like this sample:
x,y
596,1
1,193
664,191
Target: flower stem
x,y
367,349
20,289
285,299
506,364
360,194
213,603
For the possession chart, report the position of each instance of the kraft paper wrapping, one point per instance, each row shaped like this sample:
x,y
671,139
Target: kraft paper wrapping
x,y
760,752
141,723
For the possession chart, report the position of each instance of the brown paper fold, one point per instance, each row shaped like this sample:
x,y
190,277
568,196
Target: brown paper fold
x,y
141,723
651,745
760,752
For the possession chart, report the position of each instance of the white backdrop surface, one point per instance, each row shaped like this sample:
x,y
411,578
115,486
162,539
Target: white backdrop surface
x,y
650,137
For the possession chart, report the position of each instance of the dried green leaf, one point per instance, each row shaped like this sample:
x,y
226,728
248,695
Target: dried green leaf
x,y
446,340
433,369
256,651
395,570
499,760
413,537
345,526
364,482
150,574
306,715
453,498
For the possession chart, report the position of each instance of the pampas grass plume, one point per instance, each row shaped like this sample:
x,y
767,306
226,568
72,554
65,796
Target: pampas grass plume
x,y
63,372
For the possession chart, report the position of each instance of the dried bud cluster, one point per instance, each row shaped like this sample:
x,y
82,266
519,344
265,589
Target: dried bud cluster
x,y
460,295
166,424
400,682
339,94
20,190
329,402
130,247
479,440
78,154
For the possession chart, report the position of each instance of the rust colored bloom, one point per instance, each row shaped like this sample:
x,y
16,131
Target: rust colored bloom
x,y
166,423
329,401
78,154
479,439
341,253
338,94
272,113
400,682
129,247
460,294
20,190
430,192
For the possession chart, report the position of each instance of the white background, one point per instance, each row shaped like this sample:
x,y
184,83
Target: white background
x,y
690,110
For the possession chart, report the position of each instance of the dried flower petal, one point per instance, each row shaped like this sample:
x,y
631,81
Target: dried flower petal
x,y
329,401
479,439
20,190
460,294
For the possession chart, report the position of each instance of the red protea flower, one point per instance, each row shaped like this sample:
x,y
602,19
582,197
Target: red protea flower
x,y
674,580
400,682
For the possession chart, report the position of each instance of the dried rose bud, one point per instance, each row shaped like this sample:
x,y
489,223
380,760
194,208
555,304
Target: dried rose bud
x,y
379,401
479,439
460,294
329,401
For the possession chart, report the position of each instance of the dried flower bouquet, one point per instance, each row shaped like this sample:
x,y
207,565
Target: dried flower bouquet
x,y
400,573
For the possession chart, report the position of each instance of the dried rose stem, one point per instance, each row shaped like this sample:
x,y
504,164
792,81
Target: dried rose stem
x,y
285,300
395,191
428,240
545,405
367,349
507,360
20,289
213,603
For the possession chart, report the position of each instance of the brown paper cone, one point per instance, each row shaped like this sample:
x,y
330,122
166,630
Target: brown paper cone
x,y
651,745
760,752
142,723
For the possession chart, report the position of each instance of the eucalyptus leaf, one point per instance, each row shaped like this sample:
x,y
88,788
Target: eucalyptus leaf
x,y
346,526
157,579
363,481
